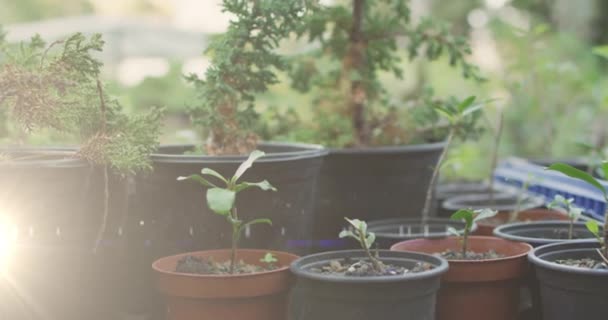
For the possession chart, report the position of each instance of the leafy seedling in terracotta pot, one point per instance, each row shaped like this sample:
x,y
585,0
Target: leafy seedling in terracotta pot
x,y
470,217
330,285
195,281
222,199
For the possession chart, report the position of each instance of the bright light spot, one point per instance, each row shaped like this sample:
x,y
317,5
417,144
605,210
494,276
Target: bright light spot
x,y
197,66
132,71
8,240
496,4
477,18
515,18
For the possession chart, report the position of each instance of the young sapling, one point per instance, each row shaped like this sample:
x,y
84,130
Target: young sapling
x,y
358,231
455,117
221,200
470,217
584,176
568,207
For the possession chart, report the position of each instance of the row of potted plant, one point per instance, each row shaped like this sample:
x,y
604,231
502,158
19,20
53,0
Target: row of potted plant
x,y
422,277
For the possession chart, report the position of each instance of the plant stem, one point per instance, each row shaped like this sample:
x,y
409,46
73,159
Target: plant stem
x,y
374,261
355,60
431,188
465,243
494,162
235,238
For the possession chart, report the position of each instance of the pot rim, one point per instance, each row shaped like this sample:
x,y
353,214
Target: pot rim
x,y
307,151
298,267
479,238
414,221
452,203
535,257
501,231
158,269
418,147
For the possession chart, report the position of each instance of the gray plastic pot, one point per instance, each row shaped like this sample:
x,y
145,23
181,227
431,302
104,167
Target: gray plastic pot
x,y
540,233
568,292
318,296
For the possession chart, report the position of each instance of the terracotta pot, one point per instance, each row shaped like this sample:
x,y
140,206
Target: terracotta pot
x,y
257,296
477,290
486,226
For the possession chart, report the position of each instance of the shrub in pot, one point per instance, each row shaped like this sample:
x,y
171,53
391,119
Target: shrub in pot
x,y
573,275
381,149
227,284
365,283
427,227
244,62
72,199
487,270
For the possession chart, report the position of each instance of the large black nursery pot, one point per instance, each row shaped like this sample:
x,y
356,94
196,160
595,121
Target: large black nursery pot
x,y
412,296
371,184
55,203
171,216
569,292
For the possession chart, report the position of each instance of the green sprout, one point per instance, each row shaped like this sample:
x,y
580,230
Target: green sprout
x,y
584,176
470,217
269,259
566,206
358,231
221,200
456,117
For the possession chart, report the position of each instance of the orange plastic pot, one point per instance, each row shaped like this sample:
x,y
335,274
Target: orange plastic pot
x,y
486,227
257,296
477,290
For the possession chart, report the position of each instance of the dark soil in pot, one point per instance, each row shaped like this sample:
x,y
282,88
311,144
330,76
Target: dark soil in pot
x,y
341,297
372,184
391,231
569,292
492,285
504,203
253,296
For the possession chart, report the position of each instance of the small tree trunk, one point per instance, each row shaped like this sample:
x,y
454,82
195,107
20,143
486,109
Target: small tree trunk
x,y
433,182
356,61
494,162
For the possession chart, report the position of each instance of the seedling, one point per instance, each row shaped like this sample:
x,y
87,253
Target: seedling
x,y
566,206
358,231
221,200
584,176
470,217
269,259
455,117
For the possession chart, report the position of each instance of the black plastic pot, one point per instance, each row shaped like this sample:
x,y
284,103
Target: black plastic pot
x,y
371,184
410,296
390,231
455,189
56,202
567,292
540,233
169,216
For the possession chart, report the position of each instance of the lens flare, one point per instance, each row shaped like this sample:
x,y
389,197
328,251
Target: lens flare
x,y
8,240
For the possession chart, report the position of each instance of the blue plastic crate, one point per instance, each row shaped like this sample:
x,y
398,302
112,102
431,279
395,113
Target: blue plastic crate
x,y
514,172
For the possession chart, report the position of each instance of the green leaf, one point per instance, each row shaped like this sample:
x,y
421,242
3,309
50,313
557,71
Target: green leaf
x,y
264,185
466,103
369,240
253,156
220,201
360,225
199,179
593,227
346,233
601,51
445,113
604,168
471,109
269,258
211,172
464,214
578,174
484,214
453,231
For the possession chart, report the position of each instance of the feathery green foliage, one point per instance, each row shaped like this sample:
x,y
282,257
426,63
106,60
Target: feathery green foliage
x,y
56,86
357,42
243,64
